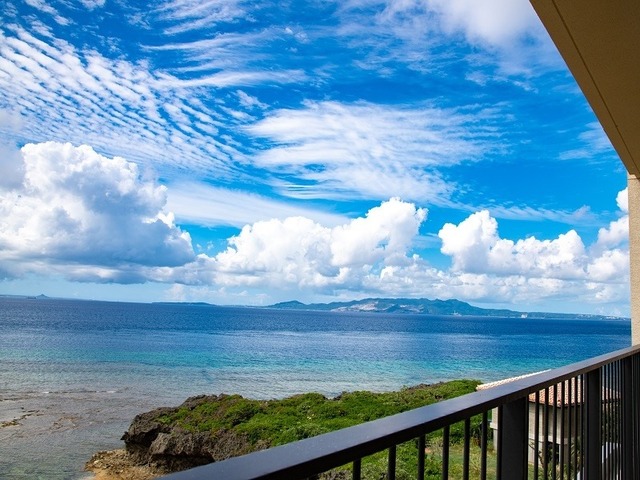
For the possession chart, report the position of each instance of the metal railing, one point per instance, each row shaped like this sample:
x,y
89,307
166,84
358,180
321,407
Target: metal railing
x,y
581,421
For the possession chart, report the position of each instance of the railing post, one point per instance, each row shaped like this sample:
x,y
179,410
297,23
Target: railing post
x,y
513,425
593,425
626,411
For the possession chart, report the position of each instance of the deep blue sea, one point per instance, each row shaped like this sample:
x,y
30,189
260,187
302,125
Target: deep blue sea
x,y
74,373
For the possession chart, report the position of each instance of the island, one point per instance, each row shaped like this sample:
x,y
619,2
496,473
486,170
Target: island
x,y
428,307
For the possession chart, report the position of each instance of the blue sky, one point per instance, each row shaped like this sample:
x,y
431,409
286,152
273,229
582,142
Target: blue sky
x,y
253,152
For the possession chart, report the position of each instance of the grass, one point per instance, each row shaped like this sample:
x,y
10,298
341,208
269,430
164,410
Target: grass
x,y
301,416
276,422
375,466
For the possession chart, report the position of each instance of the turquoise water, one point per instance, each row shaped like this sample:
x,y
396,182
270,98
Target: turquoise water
x,y
73,373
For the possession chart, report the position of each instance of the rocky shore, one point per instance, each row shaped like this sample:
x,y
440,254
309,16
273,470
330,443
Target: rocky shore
x,y
207,429
120,465
154,447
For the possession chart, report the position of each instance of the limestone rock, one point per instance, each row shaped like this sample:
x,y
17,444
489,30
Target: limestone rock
x,y
151,441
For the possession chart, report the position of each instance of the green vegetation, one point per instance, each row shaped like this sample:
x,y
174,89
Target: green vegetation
x,y
276,422
301,416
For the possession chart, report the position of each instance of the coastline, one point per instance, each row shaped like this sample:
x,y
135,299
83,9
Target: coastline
x,y
120,465
84,370
212,428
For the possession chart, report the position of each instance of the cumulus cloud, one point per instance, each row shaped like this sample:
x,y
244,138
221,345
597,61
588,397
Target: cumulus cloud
x,y
617,233
611,252
476,248
374,255
383,236
96,218
75,213
622,200
302,253
298,258
11,168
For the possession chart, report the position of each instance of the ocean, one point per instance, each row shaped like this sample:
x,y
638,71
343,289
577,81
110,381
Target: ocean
x,y
73,374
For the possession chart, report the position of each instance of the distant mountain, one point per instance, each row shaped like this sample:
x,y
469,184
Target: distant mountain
x,y
42,296
422,306
192,304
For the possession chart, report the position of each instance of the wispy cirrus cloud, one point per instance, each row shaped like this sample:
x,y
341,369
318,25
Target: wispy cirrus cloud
x,y
581,216
505,40
201,204
60,92
372,151
221,50
593,143
188,15
507,35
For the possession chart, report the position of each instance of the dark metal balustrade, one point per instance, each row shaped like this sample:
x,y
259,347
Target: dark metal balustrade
x,y
581,422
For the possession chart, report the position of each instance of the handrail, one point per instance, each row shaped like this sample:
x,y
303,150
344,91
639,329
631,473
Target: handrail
x,y
311,456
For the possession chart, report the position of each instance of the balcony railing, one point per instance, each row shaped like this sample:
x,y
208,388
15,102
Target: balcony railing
x,y
581,421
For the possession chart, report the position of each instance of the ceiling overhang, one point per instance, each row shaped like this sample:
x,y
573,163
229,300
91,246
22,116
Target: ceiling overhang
x,y
600,42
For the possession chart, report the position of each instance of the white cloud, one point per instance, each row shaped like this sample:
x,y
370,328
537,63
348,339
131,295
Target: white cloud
x,y
372,256
611,265
616,234
11,169
593,144
297,252
469,242
508,42
476,248
90,217
250,102
610,253
622,200
580,216
239,78
203,204
384,235
93,4
371,150
63,93
45,7
495,22
188,15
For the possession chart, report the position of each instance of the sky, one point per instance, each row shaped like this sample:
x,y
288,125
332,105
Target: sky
x,y
247,153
